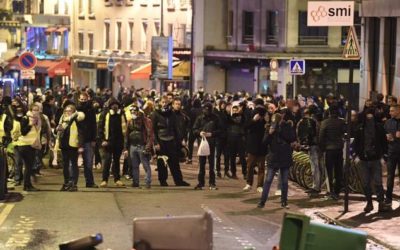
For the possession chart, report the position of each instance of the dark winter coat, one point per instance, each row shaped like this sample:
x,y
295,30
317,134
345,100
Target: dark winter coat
x,y
380,145
279,146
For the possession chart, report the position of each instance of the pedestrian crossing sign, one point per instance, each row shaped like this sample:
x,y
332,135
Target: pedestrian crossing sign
x,y
351,50
297,66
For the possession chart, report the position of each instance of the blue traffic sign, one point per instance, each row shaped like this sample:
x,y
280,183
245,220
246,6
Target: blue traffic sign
x,y
297,66
27,60
111,64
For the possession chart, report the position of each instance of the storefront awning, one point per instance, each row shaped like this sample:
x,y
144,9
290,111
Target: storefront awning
x,y
143,72
53,68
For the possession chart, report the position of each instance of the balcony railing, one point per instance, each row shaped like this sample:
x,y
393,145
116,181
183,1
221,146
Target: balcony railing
x,y
272,39
313,40
248,39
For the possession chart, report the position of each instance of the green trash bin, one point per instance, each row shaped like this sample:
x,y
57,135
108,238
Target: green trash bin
x,y
299,233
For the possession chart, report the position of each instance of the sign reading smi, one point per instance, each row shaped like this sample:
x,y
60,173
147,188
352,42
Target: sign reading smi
x,y
330,13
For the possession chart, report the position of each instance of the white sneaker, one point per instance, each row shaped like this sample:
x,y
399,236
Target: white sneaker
x,y
103,184
259,190
278,192
119,184
247,188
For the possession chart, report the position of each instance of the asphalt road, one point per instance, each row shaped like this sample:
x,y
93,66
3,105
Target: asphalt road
x,y
42,220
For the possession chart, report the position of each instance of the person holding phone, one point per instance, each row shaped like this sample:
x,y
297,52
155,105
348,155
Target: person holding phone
x,y
392,128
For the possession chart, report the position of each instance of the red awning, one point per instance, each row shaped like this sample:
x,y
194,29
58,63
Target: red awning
x,y
62,68
143,72
53,68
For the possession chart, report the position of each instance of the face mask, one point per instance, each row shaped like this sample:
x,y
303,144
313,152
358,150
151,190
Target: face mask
x,y
20,115
134,117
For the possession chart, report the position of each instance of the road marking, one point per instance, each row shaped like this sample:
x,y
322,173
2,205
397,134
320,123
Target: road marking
x,y
4,214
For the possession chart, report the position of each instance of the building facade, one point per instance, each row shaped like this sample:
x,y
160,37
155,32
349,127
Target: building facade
x,y
123,30
380,48
44,30
236,39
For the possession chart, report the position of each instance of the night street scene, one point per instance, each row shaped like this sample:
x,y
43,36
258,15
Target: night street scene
x,y
199,124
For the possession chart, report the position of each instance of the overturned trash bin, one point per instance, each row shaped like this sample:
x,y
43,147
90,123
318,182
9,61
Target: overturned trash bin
x,y
174,232
299,233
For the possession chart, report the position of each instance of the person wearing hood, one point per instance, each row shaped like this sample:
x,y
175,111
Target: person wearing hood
x,y
235,141
279,136
255,148
221,141
70,141
370,145
28,142
207,126
89,129
111,131
166,141
195,111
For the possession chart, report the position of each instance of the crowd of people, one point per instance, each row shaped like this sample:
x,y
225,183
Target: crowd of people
x,y
261,131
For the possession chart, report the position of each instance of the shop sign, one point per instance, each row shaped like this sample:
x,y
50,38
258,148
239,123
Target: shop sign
x,y
86,65
330,13
28,74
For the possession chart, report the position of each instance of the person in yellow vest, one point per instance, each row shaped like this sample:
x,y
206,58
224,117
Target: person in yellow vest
x,y
70,141
111,131
15,134
28,142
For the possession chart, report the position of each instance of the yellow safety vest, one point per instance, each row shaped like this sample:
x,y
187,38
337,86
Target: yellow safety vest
x,y
107,125
128,114
73,135
2,121
29,138
16,131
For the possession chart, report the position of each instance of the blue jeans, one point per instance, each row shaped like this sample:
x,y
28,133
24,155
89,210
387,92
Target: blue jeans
x,y
137,156
372,173
316,167
284,173
88,153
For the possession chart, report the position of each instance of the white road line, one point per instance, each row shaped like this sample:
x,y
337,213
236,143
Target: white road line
x,y
6,211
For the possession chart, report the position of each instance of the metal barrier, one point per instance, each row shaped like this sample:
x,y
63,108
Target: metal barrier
x,y
301,173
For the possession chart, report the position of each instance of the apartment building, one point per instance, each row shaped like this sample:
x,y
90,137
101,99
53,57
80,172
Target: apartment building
x,y
380,48
43,28
122,29
236,39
